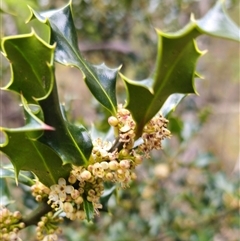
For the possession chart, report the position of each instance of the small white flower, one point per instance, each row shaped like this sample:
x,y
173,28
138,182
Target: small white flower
x,y
98,170
58,192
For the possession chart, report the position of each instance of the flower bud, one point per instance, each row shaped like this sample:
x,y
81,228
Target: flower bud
x,y
67,207
113,165
112,121
104,165
79,200
109,176
138,159
124,164
72,179
86,175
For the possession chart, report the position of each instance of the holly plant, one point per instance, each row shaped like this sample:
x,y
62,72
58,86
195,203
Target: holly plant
x,y
74,171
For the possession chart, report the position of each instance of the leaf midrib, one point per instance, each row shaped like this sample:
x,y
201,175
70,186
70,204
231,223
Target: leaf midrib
x,y
77,53
163,84
28,62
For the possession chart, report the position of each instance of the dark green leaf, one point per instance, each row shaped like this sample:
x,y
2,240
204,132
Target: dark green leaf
x,y
100,79
175,65
33,77
89,210
72,143
30,155
174,73
31,63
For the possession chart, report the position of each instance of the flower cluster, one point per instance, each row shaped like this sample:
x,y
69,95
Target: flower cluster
x,y
10,224
153,134
47,228
70,198
125,126
109,162
40,191
100,151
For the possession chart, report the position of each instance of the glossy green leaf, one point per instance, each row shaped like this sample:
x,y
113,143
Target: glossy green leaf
x,y
89,210
27,153
33,156
32,74
35,80
72,143
100,79
174,74
46,129
175,66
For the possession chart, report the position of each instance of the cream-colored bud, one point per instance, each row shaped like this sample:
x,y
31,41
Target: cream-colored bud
x,y
138,159
72,179
72,216
75,194
112,121
86,175
91,192
113,165
67,207
17,215
90,168
104,165
109,176
50,214
15,230
124,164
79,200
44,219
40,224
21,225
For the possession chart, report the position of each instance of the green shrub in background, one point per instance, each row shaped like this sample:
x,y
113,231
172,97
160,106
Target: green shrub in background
x,y
170,205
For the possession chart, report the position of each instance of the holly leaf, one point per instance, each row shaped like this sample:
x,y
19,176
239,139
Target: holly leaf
x,y
175,67
100,79
89,210
25,178
216,23
72,143
47,140
29,154
23,53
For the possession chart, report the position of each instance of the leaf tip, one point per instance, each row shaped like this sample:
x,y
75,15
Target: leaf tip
x,y
31,16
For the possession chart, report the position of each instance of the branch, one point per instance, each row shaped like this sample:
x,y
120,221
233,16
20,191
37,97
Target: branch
x,y
34,217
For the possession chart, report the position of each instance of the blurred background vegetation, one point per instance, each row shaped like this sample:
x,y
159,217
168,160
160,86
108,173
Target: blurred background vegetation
x,y
190,189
